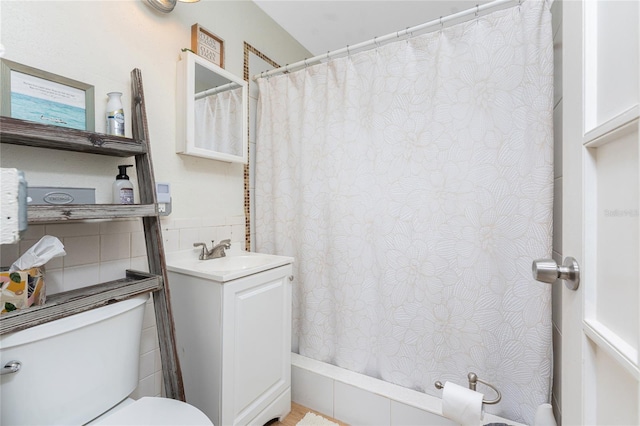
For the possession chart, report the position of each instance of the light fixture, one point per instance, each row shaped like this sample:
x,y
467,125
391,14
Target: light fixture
x,y
166,6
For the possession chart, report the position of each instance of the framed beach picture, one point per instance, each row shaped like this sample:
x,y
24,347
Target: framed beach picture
x,y
35,95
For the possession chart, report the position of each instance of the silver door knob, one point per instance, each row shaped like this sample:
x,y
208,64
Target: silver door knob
x,y
548,271
11,367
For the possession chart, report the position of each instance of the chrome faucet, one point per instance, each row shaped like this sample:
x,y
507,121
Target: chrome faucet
x,y
215,252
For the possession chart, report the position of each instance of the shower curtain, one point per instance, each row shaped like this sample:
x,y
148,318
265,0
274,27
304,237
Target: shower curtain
x,y
413,184
218,119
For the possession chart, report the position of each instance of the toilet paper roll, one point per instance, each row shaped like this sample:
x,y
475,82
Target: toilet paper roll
x,y
462,405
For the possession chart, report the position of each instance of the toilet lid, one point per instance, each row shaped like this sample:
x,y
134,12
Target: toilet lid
x,y
157,411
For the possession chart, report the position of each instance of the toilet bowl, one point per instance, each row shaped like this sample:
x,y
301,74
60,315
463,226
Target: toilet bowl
x,y
152,411
81,370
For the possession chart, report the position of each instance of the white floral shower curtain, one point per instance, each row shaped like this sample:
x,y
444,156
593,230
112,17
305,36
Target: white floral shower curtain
x,y
413,183
218,122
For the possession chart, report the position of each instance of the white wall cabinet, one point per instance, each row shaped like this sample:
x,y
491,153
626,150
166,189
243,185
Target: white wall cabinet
x,y
234,344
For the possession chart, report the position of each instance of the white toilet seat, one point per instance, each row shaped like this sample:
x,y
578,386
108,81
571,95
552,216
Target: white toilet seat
x,y
156,411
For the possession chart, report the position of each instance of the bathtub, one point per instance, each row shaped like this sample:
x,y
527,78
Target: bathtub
x,y
357,399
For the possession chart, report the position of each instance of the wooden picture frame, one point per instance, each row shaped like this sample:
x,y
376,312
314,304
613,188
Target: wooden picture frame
x,y
208,45
31,94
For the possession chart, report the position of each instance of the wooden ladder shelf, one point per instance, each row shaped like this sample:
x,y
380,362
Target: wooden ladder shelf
x,y
20,132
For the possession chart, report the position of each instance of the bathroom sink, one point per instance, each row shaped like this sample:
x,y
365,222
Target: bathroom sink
x,y
232,263
236,264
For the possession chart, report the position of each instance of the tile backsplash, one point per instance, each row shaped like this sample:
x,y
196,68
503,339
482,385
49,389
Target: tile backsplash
x,y
103,250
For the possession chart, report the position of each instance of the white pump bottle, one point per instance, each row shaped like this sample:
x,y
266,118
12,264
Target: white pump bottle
x,y
122,187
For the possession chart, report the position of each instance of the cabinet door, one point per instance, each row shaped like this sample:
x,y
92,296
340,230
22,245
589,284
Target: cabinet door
x,y
256,344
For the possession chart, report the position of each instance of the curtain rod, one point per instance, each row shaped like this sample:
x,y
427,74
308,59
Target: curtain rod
x,y
215,90
377,40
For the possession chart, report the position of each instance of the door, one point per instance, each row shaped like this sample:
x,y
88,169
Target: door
x,y
600,322
256,347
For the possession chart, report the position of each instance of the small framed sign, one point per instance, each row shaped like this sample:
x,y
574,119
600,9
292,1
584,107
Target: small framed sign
x,y
35,95
206,44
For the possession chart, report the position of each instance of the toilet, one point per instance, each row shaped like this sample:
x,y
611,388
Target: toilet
x,y
81,370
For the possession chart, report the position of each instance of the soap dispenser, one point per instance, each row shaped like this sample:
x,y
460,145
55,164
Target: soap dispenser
x,y
122,187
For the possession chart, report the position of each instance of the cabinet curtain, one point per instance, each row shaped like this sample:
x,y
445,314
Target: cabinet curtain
x,y
218,122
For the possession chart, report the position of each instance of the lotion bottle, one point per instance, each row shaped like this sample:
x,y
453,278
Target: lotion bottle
x,y
115,114
122,187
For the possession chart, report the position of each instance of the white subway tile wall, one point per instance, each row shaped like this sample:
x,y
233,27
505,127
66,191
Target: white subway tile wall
x,y
103,251
80,250
115,246
76,277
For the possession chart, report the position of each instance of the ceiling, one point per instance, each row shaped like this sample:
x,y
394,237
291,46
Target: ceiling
x,y
325,25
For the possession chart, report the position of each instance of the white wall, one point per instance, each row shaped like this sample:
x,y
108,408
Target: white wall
x,y
99,43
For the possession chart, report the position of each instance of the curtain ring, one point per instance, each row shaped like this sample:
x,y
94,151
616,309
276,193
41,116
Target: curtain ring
x,y
328,55
348,52
441,24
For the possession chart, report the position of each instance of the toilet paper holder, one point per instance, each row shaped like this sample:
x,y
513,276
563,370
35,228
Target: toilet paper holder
x,y
473,380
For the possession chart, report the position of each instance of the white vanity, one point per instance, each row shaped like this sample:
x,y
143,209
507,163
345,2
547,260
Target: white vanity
x,y
233,329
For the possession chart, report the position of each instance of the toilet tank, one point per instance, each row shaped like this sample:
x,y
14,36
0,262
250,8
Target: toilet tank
x,y
74,368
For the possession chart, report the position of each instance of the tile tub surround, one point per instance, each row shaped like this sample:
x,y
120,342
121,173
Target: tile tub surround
x,y
354,398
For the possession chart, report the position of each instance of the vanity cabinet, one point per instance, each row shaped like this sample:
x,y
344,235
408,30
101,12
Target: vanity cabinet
x,y
234,343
